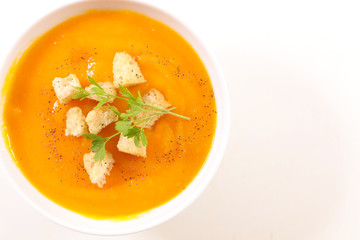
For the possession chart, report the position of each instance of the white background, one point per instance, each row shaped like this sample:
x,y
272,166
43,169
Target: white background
x,y
292,167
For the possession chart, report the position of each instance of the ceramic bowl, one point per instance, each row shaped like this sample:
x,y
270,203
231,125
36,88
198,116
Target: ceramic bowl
x,y
162,213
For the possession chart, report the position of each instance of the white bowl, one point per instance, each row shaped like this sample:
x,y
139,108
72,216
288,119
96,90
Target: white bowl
x,y
160,214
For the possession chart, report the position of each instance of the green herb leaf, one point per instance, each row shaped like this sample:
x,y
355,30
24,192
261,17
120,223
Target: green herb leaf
x,y
81,95
125,92
79,89
114,110
94,82
97,144
101,102
92,136
137,141
139,99
132,132
100,154
122,125
143,138
98,91
130,113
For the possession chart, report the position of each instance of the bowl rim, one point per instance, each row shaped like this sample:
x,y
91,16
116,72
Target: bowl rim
x,y
173,207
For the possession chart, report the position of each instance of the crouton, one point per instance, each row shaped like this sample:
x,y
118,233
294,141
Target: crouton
x,y
99,118
108,88
155,98
75,122
126,70
98,170
127,145
64,87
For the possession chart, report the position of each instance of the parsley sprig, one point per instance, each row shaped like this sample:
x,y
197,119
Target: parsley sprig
x,y
127,123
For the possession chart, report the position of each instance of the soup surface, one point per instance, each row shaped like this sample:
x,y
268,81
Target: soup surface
x,y
35,121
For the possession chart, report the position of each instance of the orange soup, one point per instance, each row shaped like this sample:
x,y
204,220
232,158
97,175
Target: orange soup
x,y
35,121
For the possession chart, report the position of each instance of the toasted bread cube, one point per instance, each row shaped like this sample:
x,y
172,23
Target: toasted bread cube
x,y
108,88
99,118
75,122
155,98
64,87
127,145
126,70
98,170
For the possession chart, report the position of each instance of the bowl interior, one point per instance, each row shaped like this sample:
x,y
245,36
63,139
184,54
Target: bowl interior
x,y
160,214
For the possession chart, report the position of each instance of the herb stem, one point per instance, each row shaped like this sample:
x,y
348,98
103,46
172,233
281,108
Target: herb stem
x,y
108,138
154,107
178,115
167,111
147,119
109,95
145,123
